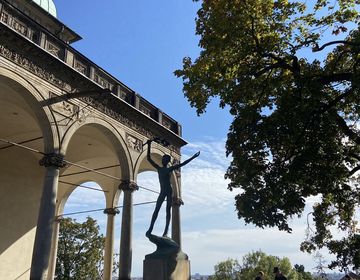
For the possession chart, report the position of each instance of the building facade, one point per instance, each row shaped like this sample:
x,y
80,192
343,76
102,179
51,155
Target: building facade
x,y
65,121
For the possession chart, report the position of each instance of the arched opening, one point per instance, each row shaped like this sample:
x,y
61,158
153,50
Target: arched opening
x,y
84,206
95,153
22,120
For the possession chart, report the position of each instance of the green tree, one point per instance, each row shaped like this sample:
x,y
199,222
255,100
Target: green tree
x,y
80,250
227,270
253,263
304,275
295,130
259,261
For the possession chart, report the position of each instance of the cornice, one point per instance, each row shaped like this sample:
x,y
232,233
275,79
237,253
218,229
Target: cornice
x,y
32,58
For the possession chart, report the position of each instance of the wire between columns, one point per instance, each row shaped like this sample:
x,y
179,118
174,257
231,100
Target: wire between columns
x,y
74,164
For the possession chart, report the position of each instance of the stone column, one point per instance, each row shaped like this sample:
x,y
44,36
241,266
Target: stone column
x,y
54,246
128,187
44,231
175,224
109,242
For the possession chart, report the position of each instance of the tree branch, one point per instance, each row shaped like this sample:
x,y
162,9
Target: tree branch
x,y
335,78
317,48
271,67
354,170
355,156
347,130
281,62
326,107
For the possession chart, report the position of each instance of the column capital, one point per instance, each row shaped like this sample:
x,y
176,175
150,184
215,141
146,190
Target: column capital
x,y
53,160
128,185
177,201
111,211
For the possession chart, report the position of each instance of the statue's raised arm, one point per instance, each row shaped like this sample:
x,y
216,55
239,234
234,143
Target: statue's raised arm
x,y
149,155
176,166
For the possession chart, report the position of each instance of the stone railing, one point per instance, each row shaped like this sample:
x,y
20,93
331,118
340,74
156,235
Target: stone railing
x,y
43,38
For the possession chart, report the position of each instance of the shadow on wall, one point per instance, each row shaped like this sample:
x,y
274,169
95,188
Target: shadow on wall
x,y
20,193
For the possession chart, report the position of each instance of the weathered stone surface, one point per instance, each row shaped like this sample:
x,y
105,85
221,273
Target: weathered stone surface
x,y
170,267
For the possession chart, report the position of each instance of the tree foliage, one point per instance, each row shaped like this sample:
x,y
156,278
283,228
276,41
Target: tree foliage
x,y
289,73
227,270
80,250
300,269
253,263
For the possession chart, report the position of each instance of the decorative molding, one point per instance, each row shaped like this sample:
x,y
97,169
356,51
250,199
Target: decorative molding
x,y
53,160
108,110
128,185
66,110
133,142
83,113
112,211
33,68
177,201
122,114
47,52
20,27
69,111
80,67
99,79
53,49
145,110
166,123
122,94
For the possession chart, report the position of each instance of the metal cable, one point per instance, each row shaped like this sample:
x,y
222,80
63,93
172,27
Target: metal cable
x,y
81,186
74,164
21,146
86,171
102,209
92,170
22,142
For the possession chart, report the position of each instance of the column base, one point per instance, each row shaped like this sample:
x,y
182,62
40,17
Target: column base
x,y
171,267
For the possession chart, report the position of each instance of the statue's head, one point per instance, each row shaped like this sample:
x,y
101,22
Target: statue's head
x,y
165,160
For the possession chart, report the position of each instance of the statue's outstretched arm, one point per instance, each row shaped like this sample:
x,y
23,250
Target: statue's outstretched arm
x,y
149,155
176,166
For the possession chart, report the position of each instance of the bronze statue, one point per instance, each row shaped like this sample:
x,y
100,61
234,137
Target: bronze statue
x,y
166,190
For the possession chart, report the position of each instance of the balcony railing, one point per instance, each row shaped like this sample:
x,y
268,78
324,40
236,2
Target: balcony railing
x,y
27,27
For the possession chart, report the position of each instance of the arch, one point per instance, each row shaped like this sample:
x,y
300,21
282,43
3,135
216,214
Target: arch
x,y
64,196
122,151
64,201
32,96
23,119
157,155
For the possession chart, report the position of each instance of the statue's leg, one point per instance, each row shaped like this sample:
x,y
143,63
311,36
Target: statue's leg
x,y
159,202
168,213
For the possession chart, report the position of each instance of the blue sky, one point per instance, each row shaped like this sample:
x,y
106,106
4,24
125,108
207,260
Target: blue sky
x,y
142,43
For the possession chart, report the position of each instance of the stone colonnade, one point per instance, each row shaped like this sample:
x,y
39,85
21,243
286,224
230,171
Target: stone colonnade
x,y
58,124
45,246
44,255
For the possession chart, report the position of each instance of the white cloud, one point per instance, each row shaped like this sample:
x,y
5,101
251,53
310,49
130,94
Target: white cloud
x,y
206,248
210,228
84,198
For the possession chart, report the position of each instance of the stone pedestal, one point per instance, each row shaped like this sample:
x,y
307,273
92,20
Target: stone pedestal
x,y
172,267
167,262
